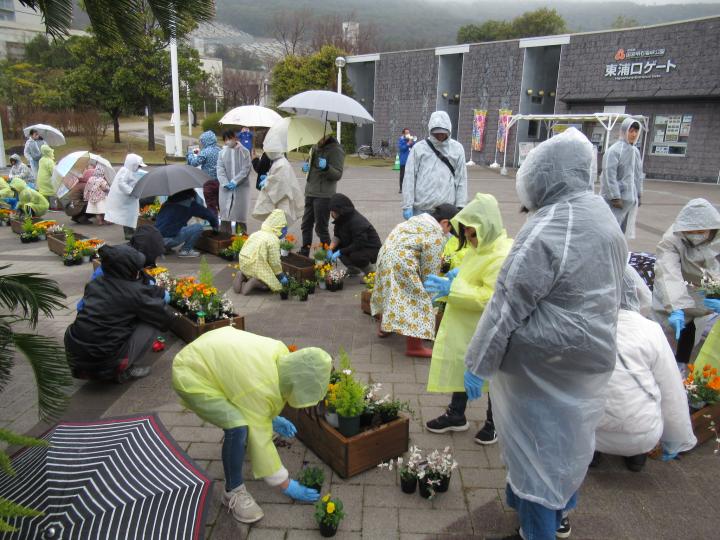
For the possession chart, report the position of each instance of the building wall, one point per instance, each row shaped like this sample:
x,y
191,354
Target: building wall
x,y
361,76
492,74
450,68
405,94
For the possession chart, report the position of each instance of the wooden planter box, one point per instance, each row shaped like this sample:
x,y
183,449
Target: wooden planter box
x,y
213,243
187,329
701,424
17,225
145,221
56,242
350,456
299,267
365,301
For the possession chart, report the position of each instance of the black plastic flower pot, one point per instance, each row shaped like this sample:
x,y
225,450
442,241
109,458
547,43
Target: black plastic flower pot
x,y
424,488
311,290
444,484
408,485
303,297
349,425
68,262
366,419
340,286
25,240
327,530
283,295
34,239
388,416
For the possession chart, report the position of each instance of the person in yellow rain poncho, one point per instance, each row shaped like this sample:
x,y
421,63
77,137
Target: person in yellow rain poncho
x,y
260,256
45,172
470,285
30,202
240,382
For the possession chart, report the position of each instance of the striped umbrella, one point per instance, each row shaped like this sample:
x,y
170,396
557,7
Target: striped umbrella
x,y
115,478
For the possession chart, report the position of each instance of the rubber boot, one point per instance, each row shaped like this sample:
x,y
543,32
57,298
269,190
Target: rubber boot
x,y
416,348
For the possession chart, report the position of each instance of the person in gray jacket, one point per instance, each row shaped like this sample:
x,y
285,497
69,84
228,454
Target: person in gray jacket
x,y
233,174
324,169
435,172
32,151
621,182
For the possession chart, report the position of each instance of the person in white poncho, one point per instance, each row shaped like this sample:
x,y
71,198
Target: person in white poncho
x,y
279,189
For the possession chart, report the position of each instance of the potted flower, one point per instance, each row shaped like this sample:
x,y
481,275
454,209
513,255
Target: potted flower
x,y
434,474
328,514
331,416
334,279
320,254
310,286
29,233
408,469
312,477
286,245
5,216
42,227
349,403
86,252
702,387
285,292
709,287
388,409
373,400
321,271
301,293
231,252
369,280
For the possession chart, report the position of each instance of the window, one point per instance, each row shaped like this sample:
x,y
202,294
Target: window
x,y
533,129
670,134
7,11
536,100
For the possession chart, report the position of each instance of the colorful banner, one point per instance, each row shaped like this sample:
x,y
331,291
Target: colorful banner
x,y
478,132
503,121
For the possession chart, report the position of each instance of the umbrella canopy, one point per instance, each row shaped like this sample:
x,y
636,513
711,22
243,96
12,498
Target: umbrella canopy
x,y
250,116
76,162
293,132
115,478
169,180
50,135
328,106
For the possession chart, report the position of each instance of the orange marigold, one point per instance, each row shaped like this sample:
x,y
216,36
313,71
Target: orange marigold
x,y
292,348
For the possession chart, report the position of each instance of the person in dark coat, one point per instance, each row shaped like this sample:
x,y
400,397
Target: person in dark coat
x,y
121,316
261,165
173,217
356,242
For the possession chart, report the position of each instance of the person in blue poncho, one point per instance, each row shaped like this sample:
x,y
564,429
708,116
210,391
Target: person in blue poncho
x,y
206,158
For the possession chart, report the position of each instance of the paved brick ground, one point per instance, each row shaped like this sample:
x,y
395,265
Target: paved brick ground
x,y
666,500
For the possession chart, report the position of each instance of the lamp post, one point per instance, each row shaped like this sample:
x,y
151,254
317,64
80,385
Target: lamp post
x,y
266,101
340,63
176,96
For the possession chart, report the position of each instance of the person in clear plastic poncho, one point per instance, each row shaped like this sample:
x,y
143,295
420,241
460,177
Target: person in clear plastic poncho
x,y
241,382
687,252
546,340
621,182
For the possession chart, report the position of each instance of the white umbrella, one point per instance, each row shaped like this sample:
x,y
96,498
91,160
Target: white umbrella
x,y
293,132
50,135
328,106
250,116
77,162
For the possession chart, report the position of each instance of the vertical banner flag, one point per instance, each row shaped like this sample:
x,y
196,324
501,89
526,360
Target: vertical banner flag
x,y
478,132
503,120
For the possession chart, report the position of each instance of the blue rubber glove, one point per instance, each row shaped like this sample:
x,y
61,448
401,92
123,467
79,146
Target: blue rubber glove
x,y
283,279
306,167
231,185
328,256
283,232
473,385
322,163
452,273
437,285
677,321
301,493
407,213
283,426
712,303
668,457
167,297
11,202
335,256
263,181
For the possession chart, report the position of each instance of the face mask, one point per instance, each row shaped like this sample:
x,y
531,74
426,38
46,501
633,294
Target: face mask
x,y
697,238
232,144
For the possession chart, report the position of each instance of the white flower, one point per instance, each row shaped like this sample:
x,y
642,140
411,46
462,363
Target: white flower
x,y
347,371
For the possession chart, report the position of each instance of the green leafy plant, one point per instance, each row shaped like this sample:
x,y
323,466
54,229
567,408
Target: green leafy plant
x,y
70,243
205,275
311,477
329,511
350,396
28,227
390,409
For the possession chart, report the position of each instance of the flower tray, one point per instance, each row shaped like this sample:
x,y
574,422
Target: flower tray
x,y
213,243
17,224
56,242
365,301
701,424
349,456
145,221
299,267
188,330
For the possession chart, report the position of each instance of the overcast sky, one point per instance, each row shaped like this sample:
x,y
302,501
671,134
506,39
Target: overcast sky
x,y
550,3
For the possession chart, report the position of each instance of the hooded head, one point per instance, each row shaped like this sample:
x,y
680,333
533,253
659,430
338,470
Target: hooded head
x,y
341,205
697,215
629,299
15,159
207,139
274,155
275,222
439,123
133,162
304,376
483,214
148,241
122,262
47,151
557,169
186,197
18,185
625,128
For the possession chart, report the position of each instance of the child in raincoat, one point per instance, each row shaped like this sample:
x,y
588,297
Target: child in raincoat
x,y
241,382
411,253
468,289
30,202
45,171
279,189
260,256
95,193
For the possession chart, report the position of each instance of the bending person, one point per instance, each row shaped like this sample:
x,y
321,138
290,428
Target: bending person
x,y
121,207
241,382
30,202
355,241
260,257
279,189
172,222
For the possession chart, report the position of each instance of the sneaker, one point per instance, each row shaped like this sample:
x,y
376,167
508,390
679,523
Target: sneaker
x,y
636,463
597,458
487,435
139,372
565,529
242,505
188,253
445,423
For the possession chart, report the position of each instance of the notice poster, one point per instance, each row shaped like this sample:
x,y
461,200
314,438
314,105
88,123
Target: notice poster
x,y
503,121
478,132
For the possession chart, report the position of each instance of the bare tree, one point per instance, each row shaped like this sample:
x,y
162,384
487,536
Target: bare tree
x,y
289,29
329,31
241,87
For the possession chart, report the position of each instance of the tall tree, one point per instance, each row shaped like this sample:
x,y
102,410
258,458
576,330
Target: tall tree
x,y
290,29
541,22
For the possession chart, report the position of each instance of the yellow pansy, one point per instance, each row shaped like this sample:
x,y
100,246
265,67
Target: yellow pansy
x,y
330,507
326,498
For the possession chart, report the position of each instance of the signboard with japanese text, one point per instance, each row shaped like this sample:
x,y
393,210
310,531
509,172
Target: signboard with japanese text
x,y
634,64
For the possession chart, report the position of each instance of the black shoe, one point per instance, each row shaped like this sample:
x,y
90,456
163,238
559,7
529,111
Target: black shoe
x,y
305,252
636,463
139,372
597,457
487,435
565,529
445,423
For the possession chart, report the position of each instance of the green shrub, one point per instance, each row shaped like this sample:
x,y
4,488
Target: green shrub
x,y
211,123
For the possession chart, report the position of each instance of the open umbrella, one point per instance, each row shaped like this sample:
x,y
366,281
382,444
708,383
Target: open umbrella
x,y
114,478
293,132
327,106
50,135
169,180
76,162
250,116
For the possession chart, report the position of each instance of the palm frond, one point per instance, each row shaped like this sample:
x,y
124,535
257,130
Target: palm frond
x,y
32,293
6,351
52,374
9,509
18,440
56,14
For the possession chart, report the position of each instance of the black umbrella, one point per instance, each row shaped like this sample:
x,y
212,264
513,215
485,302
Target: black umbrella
x,y
122,477
168,180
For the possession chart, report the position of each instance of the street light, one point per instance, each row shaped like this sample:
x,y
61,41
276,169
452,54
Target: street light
x,y
340,63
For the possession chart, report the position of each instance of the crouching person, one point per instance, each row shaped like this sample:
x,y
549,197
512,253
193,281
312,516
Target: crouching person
x,y
241,382
121,316
260,257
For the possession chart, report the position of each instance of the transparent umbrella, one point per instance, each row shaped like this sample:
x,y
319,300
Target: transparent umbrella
x,y
50,135
293,132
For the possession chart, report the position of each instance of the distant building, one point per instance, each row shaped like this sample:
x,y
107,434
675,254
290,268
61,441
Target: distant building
x,y
351,34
